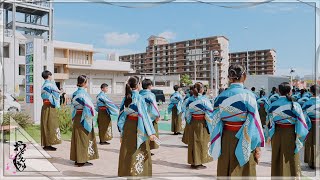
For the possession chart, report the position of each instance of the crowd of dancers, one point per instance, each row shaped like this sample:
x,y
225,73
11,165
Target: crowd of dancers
x,y
232,128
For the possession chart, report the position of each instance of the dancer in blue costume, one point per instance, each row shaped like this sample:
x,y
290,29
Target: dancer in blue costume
x,y
237,132
136,130
311,111
287,130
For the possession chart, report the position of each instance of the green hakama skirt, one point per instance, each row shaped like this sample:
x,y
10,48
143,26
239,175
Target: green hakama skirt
x,y
104,126
284,161
310,147
198,143
263,116
185,137
50,131
228,164
176,122
83,144
133,161
154,145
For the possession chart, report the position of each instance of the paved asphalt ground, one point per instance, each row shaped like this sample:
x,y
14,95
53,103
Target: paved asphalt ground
x,y
169,161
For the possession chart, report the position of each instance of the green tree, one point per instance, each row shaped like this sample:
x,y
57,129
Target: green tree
x,y
185,78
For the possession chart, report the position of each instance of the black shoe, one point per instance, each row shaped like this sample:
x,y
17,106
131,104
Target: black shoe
x,y
175,133
178,133
104,143
84,164
201,167
49,148
152,154
193,167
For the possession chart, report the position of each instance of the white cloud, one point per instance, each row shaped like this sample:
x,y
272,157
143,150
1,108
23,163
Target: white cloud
x,y
169,35
120,39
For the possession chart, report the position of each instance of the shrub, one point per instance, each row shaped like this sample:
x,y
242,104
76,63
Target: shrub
x,y
20,98
22,118
65,119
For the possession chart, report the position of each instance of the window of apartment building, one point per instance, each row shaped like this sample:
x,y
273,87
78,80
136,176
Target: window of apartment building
x,y
55,69
262,63
45,52
262,68
44,68
204,41
187,43
6,51
237,60
22,69
22,49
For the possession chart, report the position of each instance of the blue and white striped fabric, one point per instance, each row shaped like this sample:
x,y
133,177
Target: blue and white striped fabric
x,y
137,107
281,112
274,97
104,101
151,102
51,92
302,100
81,100
200,105
263,102
311,110
185,106
175,100
237,104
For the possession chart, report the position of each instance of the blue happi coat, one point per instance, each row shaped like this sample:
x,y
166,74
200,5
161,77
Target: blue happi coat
x,y
263,102
274,97
200,105
137,107
81,100
185,106
151,102
302,100
51,92
104,101
237,104
311,110
281,112
175,100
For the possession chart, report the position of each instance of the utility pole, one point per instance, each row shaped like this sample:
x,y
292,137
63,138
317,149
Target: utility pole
x,y
211,72
153,67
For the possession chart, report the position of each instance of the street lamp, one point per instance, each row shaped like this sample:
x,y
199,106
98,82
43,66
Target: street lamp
x,y
214,56
246,29
291,72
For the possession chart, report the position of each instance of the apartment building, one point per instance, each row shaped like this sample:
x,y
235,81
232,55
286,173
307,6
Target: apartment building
x,y
261,62
184,57
73,59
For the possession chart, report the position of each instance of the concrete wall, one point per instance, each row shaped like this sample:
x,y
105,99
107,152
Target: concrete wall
x,y
115,80
264,81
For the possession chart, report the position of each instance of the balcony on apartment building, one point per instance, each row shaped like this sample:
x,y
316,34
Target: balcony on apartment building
x,y
60,76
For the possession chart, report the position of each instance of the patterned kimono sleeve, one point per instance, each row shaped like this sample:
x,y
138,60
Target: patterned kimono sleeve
x,y
55,91
216,132
147,122
306,116
112,108
154,113
122,118
301,127
208,109
251,133
88,113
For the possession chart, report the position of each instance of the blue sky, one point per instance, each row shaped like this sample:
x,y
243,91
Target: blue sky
x,y
289,28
